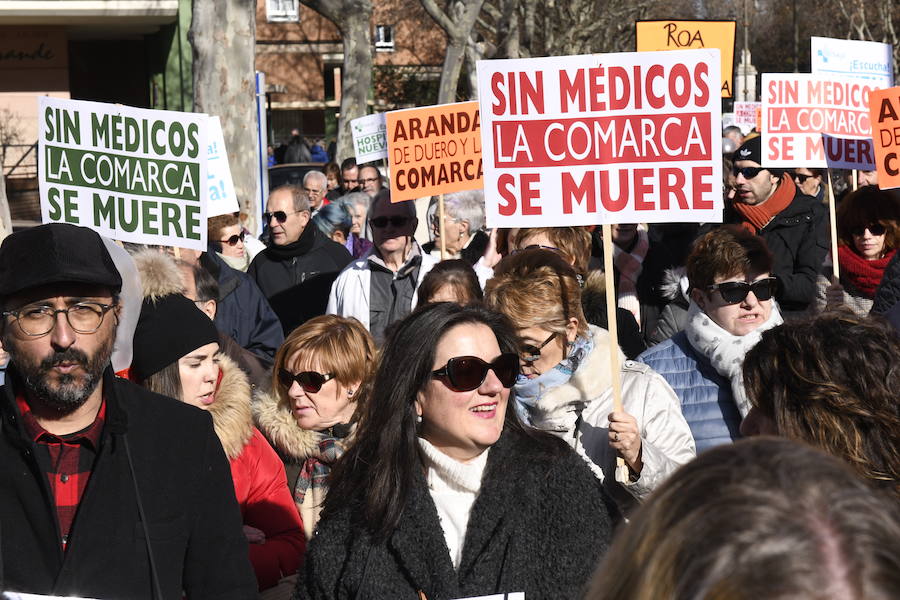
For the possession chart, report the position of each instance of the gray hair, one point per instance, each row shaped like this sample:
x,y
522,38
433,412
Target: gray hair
x,y
316,175
356,199
466,206
298,195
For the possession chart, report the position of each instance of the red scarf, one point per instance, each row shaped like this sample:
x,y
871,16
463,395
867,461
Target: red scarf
x,y
865,275
757,216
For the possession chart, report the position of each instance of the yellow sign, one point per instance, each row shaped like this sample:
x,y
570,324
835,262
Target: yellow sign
x,y
689,35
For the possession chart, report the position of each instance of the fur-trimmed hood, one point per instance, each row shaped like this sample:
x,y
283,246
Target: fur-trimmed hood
x,y
275,420
231,413
160,275
672,288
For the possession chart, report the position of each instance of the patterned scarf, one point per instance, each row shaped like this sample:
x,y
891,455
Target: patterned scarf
x,y
757,216
630,264
529,391
865,275
315,469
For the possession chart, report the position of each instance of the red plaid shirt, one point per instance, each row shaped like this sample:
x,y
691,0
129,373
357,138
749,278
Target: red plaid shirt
x,y
67,460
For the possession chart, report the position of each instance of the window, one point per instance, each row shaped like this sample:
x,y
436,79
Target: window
x,y
384,38
282,11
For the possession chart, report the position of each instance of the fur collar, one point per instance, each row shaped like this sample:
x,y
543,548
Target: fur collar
x,y
588,383
160,275
273,417
230,412
670,288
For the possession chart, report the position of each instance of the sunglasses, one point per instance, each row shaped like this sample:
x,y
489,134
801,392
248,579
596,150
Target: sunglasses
x,y
802,178
466,373
382,222
874,229
310,381
278,215
233,240
747,172
531,353
733,292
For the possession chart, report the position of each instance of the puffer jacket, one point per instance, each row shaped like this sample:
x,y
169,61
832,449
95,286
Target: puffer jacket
x,y
706,399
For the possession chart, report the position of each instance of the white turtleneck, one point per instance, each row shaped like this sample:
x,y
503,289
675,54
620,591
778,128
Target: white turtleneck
x,y
453,486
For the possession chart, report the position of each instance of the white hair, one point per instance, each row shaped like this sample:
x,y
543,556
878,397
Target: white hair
x,y
317,175
466,206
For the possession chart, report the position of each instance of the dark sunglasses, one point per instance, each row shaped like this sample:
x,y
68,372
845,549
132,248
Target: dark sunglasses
x,y
532,353
747,172
733,292
382,222
466,373
233,240
278,215
310,381
802,178
874,229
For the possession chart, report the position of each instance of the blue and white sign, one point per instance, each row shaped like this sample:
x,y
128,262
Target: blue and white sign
x,y
222,199
869,61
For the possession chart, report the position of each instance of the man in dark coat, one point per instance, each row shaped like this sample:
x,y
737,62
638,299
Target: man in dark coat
x,y
106,490
295,273
795,226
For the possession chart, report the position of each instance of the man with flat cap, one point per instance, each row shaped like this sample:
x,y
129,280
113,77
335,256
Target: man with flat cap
x,y
106,490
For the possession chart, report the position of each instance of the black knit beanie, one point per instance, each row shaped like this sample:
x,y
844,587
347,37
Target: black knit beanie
x,y
169,328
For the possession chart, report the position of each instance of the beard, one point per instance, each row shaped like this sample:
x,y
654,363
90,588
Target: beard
x,y
67,392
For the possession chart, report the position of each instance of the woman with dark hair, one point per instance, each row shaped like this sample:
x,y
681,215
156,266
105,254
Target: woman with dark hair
x,y
810,182
450,281
868,224
831,382
445,494
763,518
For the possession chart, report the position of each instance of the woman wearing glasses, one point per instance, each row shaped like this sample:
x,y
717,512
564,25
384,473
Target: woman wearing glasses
x,y
731,304
445,494
226,237
309,417
565,387
868,223
809,181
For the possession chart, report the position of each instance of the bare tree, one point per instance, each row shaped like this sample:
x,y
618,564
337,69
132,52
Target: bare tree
x,y
223,38
456,18
10,132
352,18
873,20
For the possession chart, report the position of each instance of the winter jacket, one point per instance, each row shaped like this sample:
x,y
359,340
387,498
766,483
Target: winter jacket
x,y
296,278
538,525
242,311
586,401
259,480
165,449
853,299
350,293
707,402
293,445
888,292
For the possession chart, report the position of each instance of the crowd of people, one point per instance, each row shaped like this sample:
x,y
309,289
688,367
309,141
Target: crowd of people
x,y
340,410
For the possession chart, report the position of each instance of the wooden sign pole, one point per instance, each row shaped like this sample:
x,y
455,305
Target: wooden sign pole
x,y
614,367
835,267
441,227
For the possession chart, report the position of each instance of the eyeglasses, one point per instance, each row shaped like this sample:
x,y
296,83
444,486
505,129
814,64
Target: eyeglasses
x,y
381,222
531,353
367,180
802,178
466,373
733,292
233,240
436,220
747,172
874,229
278,215
310,381
84,317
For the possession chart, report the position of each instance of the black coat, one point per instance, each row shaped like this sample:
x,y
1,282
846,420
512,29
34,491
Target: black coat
x,y
187,494
539,525
888,293
296,278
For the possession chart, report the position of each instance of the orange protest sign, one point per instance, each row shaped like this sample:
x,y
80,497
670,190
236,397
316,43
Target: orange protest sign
x,y
884,111
654,36
434,150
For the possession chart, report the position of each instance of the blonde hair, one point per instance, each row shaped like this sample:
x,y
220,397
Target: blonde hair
x,y
573,243
536,288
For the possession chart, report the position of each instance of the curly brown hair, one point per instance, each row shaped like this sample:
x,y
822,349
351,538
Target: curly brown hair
x,y
832,382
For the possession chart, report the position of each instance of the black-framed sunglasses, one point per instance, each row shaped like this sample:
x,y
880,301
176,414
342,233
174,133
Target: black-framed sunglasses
x,y
532,353
278,215
734,292
233,240
396,221
310,381
874,229
747,172
801,178
466,373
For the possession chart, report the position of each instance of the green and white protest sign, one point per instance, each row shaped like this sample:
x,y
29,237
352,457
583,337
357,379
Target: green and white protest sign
x,y
369,138
131,174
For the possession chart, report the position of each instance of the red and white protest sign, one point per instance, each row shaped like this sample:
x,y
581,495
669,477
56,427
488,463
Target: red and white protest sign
x,y
746,114
604,138
811,121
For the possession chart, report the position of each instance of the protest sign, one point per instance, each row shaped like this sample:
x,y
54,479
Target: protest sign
x,y
434,150
130,174
605,138
798,108
867,61
222,198
846,153
369,140
885,114
689,35
746,115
